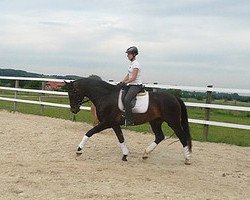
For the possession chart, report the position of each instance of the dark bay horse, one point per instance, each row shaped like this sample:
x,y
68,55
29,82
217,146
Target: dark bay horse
x,y
163,107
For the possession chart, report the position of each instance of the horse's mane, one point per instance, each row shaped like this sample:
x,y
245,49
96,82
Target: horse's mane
x,y
94,83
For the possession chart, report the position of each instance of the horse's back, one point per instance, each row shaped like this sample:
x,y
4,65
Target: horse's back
x,y
166,102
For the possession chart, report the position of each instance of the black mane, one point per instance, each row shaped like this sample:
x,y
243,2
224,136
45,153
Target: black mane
x,y
96,84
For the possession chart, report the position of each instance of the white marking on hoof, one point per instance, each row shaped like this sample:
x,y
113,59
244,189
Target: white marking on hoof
x,y
78,152
84,141
124,148
187,155
150,148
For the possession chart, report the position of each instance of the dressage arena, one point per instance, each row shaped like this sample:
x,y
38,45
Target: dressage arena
x,y
37,161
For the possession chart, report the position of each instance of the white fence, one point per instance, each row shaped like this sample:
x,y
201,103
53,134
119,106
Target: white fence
x,y
208,106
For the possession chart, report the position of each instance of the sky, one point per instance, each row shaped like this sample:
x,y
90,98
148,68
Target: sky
x,y
184,42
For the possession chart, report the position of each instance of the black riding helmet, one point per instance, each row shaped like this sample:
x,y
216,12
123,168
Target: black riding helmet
x,y
132,50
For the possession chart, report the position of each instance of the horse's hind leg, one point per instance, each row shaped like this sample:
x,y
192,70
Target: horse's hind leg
x,y
159,136
177,128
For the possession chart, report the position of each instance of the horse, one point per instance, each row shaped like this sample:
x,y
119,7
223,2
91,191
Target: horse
x,y
163,107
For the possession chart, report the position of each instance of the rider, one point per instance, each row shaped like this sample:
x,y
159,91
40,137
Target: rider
x,y
133,82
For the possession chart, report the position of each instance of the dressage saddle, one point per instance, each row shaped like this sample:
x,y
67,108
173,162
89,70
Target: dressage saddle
x,y
133,101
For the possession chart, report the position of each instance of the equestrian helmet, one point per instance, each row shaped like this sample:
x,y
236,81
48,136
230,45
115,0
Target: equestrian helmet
x,y
132,50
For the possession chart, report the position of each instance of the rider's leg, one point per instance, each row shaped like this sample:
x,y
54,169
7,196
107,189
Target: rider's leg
x,y
132,92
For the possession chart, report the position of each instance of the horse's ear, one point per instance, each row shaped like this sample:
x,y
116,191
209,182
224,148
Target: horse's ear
x,y
68,84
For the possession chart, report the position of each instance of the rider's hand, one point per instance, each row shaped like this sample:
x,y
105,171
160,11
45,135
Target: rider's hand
x,y
121,84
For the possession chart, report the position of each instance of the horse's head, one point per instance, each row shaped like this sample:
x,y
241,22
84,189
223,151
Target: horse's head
x,y
75,96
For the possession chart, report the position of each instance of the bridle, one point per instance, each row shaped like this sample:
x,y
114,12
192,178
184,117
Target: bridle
x,y
80,102
85,100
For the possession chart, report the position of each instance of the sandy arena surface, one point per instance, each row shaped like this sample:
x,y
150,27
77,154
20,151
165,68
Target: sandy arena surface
x,y
37,161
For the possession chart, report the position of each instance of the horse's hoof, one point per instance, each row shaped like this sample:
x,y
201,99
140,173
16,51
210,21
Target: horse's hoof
x,y
187,162
145,155
78,152
124,158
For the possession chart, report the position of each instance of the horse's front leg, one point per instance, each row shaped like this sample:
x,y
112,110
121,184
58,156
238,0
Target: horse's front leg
x,y
96,129
119,134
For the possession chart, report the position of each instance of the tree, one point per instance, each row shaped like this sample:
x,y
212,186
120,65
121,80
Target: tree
x,y
175,92
96,77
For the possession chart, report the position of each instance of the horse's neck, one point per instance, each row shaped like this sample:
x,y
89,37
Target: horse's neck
x,y
96,95
94,98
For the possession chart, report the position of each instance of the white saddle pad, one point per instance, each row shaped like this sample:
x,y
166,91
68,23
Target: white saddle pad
x,y
141,105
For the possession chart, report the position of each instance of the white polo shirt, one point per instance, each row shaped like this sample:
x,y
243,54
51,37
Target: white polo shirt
x,y
135,65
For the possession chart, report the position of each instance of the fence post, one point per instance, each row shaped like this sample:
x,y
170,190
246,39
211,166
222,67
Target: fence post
x,y
207,113
16,86
155,89
41,95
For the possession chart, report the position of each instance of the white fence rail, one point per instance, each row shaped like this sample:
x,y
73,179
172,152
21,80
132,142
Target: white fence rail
x,y
41,103
187,88
201,105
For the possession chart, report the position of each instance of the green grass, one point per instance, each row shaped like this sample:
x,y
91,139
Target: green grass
x,y
216,134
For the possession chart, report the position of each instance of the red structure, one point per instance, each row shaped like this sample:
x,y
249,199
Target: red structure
x,y
54,85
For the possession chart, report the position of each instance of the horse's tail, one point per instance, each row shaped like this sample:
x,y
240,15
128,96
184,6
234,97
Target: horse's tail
x,y
184,123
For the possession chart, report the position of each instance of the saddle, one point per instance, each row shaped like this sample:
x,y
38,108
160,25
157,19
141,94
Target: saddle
x,y
139,103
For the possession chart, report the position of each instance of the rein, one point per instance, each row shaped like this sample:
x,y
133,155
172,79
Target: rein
x,y
85,101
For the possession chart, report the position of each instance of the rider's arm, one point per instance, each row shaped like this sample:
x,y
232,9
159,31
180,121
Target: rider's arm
x,y
134,75
125,78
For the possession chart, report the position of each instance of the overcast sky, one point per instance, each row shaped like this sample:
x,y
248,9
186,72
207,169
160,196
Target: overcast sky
x,y
184,42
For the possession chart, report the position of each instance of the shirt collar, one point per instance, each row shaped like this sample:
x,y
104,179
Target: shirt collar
x,y
132,62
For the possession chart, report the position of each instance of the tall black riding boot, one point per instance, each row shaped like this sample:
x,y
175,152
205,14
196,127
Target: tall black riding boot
x,y
129,117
